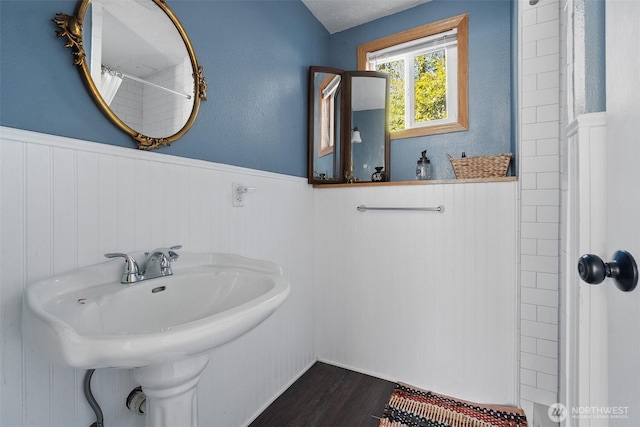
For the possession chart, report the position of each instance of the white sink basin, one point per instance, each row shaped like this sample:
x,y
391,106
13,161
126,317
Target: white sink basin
x,y
88,319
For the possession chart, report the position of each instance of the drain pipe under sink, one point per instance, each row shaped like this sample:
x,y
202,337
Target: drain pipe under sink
x,y
92,401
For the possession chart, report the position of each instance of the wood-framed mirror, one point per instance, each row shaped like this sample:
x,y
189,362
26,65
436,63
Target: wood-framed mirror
x,y
348,139
138,65
326,88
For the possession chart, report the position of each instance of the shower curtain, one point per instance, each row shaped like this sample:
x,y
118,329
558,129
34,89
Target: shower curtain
x,y
110,81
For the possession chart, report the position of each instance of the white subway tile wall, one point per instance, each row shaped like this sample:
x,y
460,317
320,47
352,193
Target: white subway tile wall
x,y
540,201
127,103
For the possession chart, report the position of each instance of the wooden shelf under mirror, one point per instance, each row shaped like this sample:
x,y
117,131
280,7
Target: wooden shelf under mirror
x,y
426,182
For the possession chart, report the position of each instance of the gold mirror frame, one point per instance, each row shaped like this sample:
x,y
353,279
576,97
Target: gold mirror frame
x,y
71,29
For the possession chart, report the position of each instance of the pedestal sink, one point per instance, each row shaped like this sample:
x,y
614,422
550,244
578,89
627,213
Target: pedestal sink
x,y
162,328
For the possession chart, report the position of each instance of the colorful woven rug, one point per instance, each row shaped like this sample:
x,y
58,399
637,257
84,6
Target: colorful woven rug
x,y
412,407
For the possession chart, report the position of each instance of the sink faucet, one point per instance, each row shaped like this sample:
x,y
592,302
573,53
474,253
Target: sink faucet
x,y
157,264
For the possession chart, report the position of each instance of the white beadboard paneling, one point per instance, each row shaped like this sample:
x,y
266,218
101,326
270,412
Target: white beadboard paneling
x,y
64,203
108,229
39,264
127,194
64,210
419,297
581,303
12,249
88,208
435,318
148,191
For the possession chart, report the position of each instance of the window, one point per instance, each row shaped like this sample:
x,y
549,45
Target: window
x,y
428,69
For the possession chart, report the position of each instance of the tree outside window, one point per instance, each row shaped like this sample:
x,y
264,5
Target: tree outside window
x,y
428,77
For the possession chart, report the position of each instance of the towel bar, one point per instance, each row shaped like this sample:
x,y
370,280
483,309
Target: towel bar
x,y
363,208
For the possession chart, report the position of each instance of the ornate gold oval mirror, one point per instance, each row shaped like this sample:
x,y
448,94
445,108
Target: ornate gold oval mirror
x,y
139,66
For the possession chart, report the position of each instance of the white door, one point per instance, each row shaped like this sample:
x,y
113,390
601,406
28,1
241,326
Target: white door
x,y
600,373
623,204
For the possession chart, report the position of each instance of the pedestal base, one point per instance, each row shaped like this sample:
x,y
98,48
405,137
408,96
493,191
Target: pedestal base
x,y
171,390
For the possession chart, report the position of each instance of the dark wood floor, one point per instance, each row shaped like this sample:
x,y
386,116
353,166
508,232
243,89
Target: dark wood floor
x,y
328,396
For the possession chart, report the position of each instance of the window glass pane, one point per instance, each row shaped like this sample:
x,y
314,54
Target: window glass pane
x,y
430,87
396,93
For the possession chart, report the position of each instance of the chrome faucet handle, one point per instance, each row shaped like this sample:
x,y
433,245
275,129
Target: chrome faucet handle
x,y
173,255
170,252
158,262
131,272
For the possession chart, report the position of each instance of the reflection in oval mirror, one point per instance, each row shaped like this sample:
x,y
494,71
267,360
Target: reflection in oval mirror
x,y
140,67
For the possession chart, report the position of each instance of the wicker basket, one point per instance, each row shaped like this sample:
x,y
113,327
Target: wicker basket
x,y
481,166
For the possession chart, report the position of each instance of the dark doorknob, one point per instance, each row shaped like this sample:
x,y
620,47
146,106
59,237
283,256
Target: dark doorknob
x,y
622,269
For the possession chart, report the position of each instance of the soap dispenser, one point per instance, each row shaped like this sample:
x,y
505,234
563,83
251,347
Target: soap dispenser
x,y
423,169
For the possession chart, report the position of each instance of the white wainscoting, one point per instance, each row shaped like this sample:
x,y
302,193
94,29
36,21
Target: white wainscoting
x,y
421,297
583,307
64,203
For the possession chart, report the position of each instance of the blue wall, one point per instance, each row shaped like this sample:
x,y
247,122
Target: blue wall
x,y
367,156
595,56
255,55
490,114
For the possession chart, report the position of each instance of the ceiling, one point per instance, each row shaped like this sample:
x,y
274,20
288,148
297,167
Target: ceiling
x,y
138,38
339,15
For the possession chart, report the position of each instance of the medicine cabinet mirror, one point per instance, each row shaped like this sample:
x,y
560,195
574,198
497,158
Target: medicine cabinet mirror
x,y
348,126
138,65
